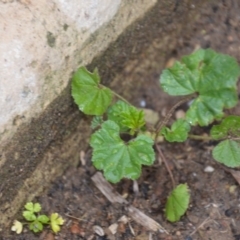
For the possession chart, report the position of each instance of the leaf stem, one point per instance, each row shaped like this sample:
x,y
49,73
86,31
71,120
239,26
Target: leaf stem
x,y
118,96
208,138
162,123
122,98
166,164
235,138
199,137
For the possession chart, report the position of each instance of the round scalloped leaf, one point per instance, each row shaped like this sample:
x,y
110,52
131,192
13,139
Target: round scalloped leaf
x,y
36,226
211,76
177,203
229,127
91,97
178,132
209,106
55,222
43,219
29,216
126,116
119,159
227,152
33,207
96,122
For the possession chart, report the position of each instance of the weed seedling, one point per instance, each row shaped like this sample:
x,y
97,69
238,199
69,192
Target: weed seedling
x,y
36,221
208,82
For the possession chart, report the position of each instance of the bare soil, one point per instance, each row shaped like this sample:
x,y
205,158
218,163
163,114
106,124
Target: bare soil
x,y
214,211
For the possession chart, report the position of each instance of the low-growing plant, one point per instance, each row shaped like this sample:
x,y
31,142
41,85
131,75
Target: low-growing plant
x,y
208,82
36,221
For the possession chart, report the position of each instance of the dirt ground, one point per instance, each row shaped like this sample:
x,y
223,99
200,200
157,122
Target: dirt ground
x,y
214,211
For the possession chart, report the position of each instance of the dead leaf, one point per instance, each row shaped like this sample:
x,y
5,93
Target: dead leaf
x,y
49,236
76,229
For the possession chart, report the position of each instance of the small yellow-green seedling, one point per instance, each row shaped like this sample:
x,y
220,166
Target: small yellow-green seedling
x,y
17,227
36,221
56,221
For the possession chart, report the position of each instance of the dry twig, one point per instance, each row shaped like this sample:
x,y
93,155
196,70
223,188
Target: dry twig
x,y
114,197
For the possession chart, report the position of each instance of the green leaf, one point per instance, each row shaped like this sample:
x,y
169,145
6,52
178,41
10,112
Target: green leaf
x,y
177,203
55,222
178,132
33,207
29,216
91,97
211,76
227,152
229,127
43,219
36,226
96,121
126,116
119,159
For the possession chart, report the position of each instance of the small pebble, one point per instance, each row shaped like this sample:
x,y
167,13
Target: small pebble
x,y
113,228
229,212
170,62
209,169
98,230
232,189
124,219
143,103
178,233
194,219
135,187
230,38
125,195
180,114
150,116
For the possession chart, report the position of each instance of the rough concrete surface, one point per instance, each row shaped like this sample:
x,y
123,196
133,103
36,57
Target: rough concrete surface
x,y
42,42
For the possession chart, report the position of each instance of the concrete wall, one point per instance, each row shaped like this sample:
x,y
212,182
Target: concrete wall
x,y
41,44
